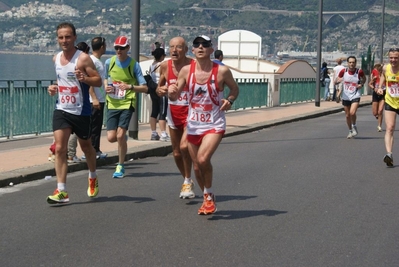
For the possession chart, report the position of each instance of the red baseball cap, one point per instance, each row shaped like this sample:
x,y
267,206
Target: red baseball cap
x,y
121,41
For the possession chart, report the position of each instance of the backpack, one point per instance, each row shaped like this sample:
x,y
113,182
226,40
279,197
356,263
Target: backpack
x,y
322,74
152,86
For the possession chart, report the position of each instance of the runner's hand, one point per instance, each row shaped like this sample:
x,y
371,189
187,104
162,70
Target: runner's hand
x,y
52,89
162,90
96,104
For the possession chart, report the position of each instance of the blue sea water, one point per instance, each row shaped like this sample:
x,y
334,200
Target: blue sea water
x,y
26,67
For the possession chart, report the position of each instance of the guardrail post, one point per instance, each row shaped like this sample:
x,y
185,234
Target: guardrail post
x,y
11,88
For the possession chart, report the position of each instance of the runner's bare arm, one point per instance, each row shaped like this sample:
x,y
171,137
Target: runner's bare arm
x,y
174,90
162,89
380,90
86,71
225,77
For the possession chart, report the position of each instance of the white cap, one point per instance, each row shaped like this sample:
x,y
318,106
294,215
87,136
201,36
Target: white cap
x,y
204,37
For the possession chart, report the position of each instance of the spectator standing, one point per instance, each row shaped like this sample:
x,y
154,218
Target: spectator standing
x,y
218,57
326,79
159,105
337,85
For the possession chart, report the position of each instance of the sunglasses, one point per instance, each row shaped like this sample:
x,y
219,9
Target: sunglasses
x,y
204,44
120,47
394,50
102,41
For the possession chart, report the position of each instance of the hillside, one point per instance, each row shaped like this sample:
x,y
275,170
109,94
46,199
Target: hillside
x,y
164,19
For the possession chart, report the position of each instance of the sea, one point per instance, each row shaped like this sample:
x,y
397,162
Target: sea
x,y
26,67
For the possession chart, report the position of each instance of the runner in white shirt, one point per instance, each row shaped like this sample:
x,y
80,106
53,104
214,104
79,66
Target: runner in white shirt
x,y
97,98
75,73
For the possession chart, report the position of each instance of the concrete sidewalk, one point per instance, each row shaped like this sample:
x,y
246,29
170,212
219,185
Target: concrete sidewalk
x,y
25,160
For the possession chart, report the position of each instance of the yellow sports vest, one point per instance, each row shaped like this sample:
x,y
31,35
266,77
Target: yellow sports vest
x,y
125,75
392,87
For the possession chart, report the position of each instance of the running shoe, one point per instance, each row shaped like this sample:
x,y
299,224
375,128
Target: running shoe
x,y
165,138
354,131
349,135
154,137
208,206
92,190
73,159
58,197
379,128
388,159
101,155
187,191
119,172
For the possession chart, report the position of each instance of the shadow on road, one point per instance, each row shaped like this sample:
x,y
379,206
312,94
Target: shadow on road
x,y
240,214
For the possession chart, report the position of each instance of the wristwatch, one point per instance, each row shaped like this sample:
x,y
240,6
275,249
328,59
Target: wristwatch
x,y
230,101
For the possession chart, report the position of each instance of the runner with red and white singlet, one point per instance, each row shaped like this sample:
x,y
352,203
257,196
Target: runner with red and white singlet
x,y
178,109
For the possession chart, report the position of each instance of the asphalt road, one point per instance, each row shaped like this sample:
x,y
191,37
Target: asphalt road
x,y
298,194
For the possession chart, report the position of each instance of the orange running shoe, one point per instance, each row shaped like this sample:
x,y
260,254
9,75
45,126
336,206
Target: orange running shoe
x,y
208,206
92,190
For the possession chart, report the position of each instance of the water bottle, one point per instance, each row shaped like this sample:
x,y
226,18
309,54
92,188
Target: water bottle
x,y
109,80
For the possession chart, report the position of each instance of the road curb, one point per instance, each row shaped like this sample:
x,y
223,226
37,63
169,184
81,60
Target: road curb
x,y
156,149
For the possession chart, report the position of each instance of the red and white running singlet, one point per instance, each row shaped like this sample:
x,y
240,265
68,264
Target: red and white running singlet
x,y
204,113
178,109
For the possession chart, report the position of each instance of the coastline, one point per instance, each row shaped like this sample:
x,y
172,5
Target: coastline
x,y
28,53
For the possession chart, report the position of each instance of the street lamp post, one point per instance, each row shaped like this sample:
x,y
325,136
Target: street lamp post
x,y
382,33
319,36
134,122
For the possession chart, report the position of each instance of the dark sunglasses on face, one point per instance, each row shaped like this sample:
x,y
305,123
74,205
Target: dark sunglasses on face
x,y
394,50
204,44
120,47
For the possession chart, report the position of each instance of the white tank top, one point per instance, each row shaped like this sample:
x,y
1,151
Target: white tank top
x,y
350,83
205,100
73,96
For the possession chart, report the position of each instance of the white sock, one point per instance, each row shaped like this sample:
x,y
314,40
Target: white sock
x,y
187,180
61,186
207,190
92,174
154,132
163,133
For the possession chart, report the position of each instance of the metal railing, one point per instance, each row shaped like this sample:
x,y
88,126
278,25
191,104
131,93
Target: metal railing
x,y
27,109
294,90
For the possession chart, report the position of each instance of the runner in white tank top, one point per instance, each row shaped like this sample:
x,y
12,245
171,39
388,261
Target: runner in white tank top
x,y
72,113
73,96
205,115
